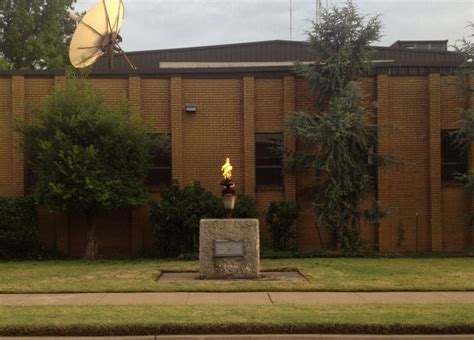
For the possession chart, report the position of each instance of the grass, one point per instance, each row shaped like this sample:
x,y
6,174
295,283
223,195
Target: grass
x,y
146,320
328,274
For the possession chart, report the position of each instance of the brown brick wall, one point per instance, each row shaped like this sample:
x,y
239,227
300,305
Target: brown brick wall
x,y
155,101
269,105
230,112
455,219
37,91
214,132
5,135
114,90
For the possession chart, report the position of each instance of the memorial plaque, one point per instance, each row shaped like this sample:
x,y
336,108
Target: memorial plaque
x,y
223,248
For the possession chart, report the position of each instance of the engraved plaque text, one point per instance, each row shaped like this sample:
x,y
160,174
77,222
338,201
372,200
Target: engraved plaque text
x,y
223,248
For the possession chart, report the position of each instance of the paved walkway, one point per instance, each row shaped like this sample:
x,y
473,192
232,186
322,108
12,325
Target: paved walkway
x,y
258,298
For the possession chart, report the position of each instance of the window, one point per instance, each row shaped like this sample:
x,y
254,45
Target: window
x,y
269,160
453,159
160,172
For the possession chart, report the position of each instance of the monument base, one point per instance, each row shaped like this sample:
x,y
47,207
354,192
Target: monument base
x,y
229,249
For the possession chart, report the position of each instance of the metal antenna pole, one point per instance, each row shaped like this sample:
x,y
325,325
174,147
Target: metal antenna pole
x,y
316,13
291,20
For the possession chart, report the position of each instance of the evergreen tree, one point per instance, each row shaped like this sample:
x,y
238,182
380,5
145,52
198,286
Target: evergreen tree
x,y
34,34
464,136
335,143
86,157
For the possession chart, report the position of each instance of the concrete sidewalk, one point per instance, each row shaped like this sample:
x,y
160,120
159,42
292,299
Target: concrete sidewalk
x,y
257,298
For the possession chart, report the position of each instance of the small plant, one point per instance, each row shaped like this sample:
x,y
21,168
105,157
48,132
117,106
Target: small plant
x,y
175,219
281,217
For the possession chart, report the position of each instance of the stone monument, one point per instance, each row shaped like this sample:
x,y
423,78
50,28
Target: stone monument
x,y
229,248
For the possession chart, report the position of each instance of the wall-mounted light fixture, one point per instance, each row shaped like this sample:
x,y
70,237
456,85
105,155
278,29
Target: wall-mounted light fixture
x,y
191,108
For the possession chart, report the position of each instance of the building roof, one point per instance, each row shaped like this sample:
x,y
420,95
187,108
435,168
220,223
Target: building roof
x,y
386,59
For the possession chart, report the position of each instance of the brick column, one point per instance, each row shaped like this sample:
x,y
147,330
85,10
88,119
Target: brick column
x,y
249,136
134,95
289,141
434,147
176,93
383,147
137,223
17,185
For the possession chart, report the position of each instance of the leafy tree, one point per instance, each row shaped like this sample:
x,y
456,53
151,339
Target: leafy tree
x,y
338,140
35,33
87,157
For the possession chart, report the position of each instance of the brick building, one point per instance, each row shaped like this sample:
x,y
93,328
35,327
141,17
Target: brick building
x,y
229,101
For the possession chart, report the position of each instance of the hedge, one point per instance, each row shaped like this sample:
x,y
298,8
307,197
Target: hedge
x,y
18,229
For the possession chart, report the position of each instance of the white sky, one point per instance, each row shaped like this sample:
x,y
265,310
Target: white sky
x,y
158,24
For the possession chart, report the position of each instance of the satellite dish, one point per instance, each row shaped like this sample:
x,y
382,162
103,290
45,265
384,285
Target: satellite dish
x,y
97,33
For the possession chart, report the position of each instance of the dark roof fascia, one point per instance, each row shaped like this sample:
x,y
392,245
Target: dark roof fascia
x,y
268,42
197,48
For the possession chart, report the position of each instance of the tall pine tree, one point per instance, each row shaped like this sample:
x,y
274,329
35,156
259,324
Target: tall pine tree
x,y
34,34
338,139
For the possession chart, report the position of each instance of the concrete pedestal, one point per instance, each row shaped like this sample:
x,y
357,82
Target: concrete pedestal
x,y
229,249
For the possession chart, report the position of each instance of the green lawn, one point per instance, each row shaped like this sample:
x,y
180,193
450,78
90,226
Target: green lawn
x,y
136,320
324,274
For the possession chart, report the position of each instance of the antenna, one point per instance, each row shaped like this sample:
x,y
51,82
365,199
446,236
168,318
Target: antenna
x,y
291,19
318,8
97,34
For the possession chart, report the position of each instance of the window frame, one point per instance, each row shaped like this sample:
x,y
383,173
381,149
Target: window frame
x,y
156,187
462,155
268,186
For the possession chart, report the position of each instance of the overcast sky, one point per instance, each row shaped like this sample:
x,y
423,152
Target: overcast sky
x,y
158,24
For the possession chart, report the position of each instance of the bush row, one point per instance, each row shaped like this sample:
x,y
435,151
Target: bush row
x,y
174,219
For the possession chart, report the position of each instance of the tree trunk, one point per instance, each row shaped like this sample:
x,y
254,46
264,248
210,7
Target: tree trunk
x,y
92,248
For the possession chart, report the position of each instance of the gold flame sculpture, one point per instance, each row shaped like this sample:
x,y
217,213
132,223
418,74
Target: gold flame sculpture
x,y
227,169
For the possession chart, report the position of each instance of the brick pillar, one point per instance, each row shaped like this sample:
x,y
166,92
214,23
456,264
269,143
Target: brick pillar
x,y
134,95
17,185
137,223
289,141
249,136
383,147
176,93
434,147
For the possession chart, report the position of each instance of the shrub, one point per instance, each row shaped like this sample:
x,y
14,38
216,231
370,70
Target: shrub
x,y
281,217
18,228
245,207
175,219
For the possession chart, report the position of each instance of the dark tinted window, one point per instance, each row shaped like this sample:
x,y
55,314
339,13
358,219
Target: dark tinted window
x,y
269,160
453,159
160,173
